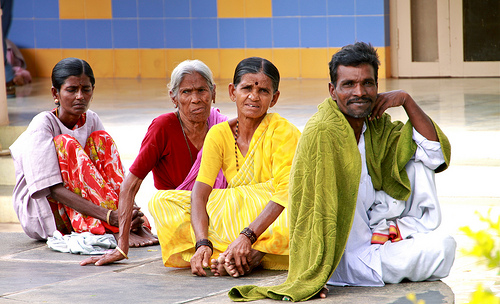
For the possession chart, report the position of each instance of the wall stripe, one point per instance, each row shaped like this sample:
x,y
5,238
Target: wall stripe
x,y
155,34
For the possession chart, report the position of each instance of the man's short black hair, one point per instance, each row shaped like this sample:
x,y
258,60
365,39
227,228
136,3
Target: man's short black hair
x,y
354,55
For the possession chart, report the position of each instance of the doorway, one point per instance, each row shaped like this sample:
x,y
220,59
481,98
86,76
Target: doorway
x,y
445,38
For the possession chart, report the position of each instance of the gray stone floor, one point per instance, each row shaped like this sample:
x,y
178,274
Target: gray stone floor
x,y
468,110
30,272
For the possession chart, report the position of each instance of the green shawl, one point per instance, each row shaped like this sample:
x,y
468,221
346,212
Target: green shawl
x,y
324,183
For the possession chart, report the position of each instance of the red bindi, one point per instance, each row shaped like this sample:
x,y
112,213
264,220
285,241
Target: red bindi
x,y
256,83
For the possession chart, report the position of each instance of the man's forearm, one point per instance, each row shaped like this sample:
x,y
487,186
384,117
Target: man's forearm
x,y
420,121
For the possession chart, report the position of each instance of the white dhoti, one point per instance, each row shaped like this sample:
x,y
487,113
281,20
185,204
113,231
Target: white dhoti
x,y
416,252
422,257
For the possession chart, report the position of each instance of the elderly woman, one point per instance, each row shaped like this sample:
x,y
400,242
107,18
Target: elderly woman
x,y
245,224
171,148
68,170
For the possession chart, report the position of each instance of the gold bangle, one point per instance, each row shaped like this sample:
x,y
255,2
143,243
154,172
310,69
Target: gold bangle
x,y
121,251
107,217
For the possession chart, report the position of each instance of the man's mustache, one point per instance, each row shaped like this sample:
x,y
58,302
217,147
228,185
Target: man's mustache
x,y
359,99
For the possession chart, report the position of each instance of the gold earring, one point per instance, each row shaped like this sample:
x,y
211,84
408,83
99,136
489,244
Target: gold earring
x,y
56,101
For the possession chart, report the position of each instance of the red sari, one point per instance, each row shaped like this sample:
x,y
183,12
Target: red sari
x,y
94,172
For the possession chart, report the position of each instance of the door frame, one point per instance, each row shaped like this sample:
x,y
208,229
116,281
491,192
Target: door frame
x,y
450,44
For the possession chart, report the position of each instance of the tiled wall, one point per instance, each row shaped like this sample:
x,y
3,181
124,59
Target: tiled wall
x,y
147,38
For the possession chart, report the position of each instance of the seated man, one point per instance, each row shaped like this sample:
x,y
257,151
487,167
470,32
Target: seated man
x,y
363,206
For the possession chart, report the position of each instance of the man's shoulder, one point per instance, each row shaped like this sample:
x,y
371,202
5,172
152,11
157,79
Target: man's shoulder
x,y
327,117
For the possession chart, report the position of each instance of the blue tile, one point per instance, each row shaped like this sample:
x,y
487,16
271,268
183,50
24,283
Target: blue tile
x,y
283,8
259,33
176,8
73,34
22,33
46,9
124,8
100,34
204,33
203,8
286,32
340,8
151,34
177,33
313,32
341,31
371,29
232,33
47,34
23,9
369,7
312,7
150,8
125,34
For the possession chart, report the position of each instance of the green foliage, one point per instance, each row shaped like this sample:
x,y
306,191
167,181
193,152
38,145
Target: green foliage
x,y
484,296
487,241
487,245
413,298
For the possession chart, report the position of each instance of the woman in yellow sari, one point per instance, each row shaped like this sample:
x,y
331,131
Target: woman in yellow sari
x,y
245,224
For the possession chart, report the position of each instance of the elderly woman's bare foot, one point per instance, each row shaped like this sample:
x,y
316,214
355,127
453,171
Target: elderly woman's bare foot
x,y
254,261
217,266
142,237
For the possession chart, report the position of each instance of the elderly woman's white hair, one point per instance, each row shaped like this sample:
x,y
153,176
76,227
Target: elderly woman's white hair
x,y
188,67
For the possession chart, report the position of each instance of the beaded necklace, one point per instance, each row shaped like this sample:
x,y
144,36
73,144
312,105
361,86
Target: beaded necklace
x,y
185,137
236,144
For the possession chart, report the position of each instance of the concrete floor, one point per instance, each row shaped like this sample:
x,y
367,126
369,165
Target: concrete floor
x,y
468,110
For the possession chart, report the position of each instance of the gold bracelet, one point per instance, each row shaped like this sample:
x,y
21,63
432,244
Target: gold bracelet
x,y
107,217
121,251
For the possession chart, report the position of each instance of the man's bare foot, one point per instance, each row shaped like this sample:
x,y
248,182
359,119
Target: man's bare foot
x,y
142,237
323,293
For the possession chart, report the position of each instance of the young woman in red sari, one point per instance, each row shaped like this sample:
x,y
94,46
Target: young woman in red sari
x,y
68,170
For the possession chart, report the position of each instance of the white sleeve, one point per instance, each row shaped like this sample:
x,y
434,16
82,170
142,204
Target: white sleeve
x,y
428,152
422,211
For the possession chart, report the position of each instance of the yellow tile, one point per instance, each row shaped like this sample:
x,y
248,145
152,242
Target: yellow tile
x,y
314,63
152,63
231,8
101,62
126,63
98,9
263,53
288,62
331,52
211,58
30,59
384,70
176,56
229,58
258,8
77,53
45,60
72,9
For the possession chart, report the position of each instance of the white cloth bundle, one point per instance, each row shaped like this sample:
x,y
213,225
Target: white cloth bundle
x,y
81,243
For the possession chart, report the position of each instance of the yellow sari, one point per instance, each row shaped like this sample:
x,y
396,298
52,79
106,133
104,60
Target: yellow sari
x,y
263,177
